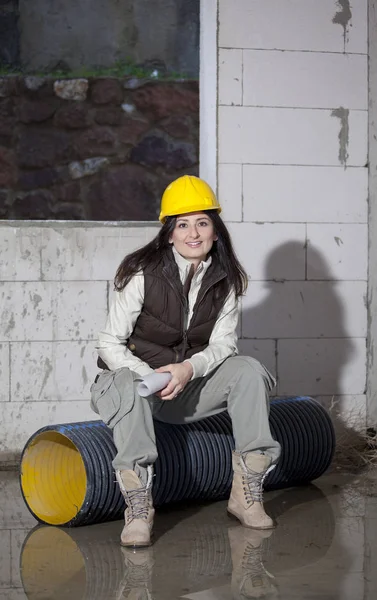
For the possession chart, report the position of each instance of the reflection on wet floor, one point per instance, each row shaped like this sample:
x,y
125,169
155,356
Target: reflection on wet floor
x,y
325,547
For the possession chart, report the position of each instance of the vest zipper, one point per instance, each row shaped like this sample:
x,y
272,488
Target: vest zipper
x,y
186,309
185,305
194,314
176,356
175,291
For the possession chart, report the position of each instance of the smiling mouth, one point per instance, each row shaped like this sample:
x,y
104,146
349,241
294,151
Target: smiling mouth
x,y
193,244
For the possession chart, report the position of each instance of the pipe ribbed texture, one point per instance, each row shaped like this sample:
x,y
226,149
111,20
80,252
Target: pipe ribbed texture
x,y
194,462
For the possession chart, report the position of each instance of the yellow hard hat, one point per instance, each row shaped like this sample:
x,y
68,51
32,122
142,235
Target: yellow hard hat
x,y
187,194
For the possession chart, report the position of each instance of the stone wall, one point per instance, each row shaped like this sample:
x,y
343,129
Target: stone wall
x,y
93,149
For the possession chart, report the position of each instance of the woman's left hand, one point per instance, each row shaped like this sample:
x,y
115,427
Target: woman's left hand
x,y
181,375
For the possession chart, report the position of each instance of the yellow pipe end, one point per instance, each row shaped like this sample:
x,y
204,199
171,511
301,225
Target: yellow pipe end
x,y
52,566
53,478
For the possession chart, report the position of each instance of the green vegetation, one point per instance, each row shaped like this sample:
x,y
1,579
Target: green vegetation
x,y
5,70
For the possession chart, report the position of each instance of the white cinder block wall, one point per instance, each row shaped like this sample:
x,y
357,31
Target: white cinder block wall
x,y
284,140
55,283
291,100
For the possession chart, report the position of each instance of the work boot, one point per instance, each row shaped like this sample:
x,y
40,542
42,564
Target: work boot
x,y
139,513
250,579
246,497
137,581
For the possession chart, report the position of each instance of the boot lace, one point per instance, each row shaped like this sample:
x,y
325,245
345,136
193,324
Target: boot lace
x,y
254,573
138,503
252,560
253,485
138,576
136,582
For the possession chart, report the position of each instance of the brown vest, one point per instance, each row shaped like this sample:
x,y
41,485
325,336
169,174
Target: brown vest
x,y
159,337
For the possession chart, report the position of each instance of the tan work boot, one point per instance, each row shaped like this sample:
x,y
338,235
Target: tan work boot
x,y
246,497
137,581
250,579
139,513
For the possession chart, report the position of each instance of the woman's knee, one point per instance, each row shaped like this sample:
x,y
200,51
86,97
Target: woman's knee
x,y
251,367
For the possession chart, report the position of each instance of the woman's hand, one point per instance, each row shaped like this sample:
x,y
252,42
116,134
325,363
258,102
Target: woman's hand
x,y
181,375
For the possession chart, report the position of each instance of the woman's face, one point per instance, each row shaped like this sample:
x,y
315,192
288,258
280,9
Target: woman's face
x,y
193,236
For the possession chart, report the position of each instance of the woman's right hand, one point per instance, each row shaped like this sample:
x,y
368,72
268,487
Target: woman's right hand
x,y
181,375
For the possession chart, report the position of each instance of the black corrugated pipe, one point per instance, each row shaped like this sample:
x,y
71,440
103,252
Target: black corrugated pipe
x,y
67,477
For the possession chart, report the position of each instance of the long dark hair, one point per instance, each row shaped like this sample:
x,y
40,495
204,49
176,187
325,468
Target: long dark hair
x,y
153,252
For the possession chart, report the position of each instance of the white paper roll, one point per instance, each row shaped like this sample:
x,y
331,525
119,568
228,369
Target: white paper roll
x,y
153,383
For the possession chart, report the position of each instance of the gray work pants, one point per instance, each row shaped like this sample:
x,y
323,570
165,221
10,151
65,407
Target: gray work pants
x,y
239,385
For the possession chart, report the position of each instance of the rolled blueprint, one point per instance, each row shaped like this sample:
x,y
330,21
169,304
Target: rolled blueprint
x,y
150,384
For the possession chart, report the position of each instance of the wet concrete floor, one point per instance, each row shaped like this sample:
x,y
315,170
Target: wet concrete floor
x,y
324,547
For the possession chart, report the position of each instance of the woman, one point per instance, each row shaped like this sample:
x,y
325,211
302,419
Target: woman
x,y
175,310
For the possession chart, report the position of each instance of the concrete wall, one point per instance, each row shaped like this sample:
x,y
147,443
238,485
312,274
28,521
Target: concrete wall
x,y
73,34
55,282
372,295
289,162
292,100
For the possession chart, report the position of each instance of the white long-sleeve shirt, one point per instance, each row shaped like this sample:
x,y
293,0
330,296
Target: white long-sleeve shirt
x,y
127,305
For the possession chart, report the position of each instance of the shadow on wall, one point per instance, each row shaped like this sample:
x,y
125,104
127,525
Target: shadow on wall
x,y
306,320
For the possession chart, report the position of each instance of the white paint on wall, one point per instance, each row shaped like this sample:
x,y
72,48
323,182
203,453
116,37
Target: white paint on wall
x,y
303,194
230,191
293,179
345,247
307,25
52,371
230,76
301,79
255,244
21,419
4,372
288,136
83,254
54,289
